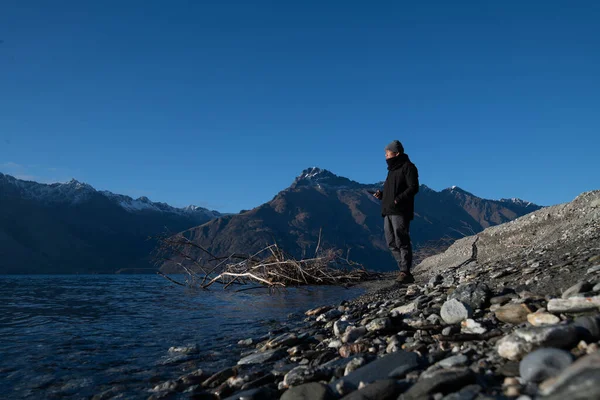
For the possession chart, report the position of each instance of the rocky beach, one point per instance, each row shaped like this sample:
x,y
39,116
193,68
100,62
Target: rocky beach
x,y
510,313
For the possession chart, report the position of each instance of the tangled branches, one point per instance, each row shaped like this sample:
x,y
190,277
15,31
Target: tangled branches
x,y
271,267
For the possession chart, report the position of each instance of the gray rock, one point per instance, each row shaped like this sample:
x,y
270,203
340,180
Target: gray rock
x,y
453,361
329,315
262,357
340,327
246,342
593,269
454,311
353,334
262,393
354,364
523,341
380,369
309,391
503,299
579,287
475,294
469,392
578,381
387,389
404,310
442,381
574,304
285,340
379,324
543,364
588,328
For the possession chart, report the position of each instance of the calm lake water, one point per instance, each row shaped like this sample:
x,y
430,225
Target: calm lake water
x,y
74,336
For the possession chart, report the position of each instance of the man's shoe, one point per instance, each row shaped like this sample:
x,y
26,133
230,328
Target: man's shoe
x,y
405,277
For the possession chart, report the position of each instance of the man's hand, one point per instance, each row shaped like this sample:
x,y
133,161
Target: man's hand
x,y
378,194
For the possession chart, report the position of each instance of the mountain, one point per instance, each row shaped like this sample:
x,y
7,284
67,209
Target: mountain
x,y
349,219
73,228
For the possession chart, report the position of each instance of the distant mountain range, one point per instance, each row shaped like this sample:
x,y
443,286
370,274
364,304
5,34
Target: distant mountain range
x,y
73,228
349,219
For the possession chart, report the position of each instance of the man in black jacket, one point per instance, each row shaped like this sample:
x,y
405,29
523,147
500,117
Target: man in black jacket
x,y
398,206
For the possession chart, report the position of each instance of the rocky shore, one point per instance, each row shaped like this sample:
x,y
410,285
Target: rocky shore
x,y
512,313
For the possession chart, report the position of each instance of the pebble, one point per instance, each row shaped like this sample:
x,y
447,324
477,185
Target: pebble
x,y
542,318
353,334
454,311
472,326
513,313
543,364
574,304
379,324
523,341
579,287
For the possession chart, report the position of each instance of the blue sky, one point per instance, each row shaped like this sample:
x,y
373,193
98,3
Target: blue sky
x,y
223,103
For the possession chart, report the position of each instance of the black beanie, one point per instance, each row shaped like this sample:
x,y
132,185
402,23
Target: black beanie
x,y
395,147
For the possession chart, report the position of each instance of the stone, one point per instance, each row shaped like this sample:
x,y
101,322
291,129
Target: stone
x,y
593,269
542,318
475,294
574,304
503,299
380,369
353,348
299,375
523,341
404,310
513,313
263,357
313,390
387,389
185,349
340,327
329,315
454,311
379,324
317,311
246,342
595,258
285,340
219,377
262,393
578,381
471,326
543,364
443,381
469,392
453,361
588,328
353,334
579,287
354,364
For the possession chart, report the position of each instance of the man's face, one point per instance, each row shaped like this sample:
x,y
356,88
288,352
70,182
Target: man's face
x,y
390,154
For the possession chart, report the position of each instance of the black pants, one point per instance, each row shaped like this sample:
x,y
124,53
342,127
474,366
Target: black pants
x,y
396,229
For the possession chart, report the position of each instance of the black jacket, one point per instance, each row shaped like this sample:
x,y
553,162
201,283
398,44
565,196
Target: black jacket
x,y
400,188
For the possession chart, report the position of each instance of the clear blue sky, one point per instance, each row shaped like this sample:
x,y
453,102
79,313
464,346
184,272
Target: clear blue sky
x,y
223,103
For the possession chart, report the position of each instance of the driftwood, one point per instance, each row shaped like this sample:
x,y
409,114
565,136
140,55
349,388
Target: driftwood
x,y
271,267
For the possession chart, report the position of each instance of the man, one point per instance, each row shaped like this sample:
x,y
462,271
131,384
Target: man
x,y
398,206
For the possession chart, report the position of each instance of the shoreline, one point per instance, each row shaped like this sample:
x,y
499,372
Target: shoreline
x,y
444,337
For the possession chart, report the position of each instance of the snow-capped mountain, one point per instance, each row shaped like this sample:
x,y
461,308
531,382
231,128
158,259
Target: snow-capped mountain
x,y
72,227
75,192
